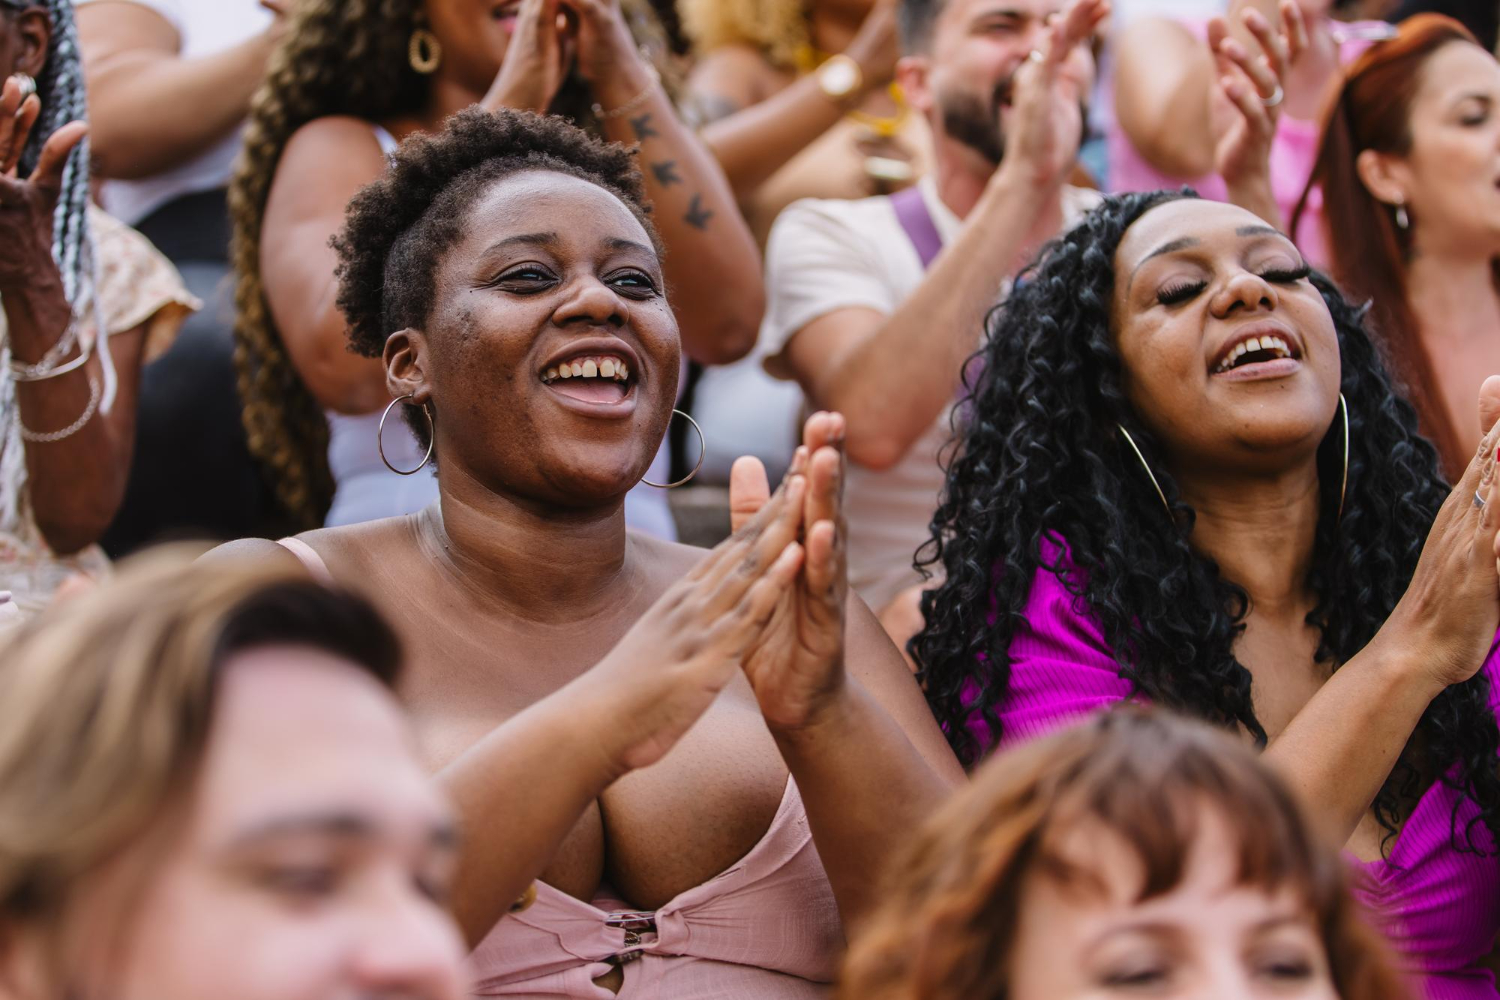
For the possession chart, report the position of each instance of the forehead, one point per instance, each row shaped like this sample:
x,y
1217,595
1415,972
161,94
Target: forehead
x,y
1208,222
296,729
535,201
960,13
1459,66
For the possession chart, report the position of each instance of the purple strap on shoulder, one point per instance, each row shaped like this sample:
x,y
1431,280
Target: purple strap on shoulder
x,y
911,212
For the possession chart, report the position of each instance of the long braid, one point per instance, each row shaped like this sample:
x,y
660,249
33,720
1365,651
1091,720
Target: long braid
x,y
340,57
63,98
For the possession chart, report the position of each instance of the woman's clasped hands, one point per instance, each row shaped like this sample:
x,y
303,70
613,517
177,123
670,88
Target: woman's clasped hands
x,y
553,37
768,602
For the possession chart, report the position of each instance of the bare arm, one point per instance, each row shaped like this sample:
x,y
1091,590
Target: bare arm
x,y
134,71
1163,80
755,135
712,265
1339,750
324,164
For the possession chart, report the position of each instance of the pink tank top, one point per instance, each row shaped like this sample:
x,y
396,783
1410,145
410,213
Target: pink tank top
x,y
1293,154
766,927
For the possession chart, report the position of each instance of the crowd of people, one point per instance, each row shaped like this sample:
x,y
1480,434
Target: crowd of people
x,y
1084,419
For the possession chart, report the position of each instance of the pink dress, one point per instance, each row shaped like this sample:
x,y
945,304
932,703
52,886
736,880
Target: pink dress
x,y
767,927
1439,907
1293,154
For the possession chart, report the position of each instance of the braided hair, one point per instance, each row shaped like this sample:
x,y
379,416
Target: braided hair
x,y
61,92
1039,456
339,57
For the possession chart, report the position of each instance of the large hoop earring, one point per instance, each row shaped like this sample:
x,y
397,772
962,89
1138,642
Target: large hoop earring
x,y
1344,485
702,454
380,436
1142,459
424,51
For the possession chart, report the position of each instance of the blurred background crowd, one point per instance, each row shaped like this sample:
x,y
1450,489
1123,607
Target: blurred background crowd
x,y
1011,359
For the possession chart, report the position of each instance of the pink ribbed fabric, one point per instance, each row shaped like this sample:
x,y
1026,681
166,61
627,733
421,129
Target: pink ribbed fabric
x,y
767,928
1440,906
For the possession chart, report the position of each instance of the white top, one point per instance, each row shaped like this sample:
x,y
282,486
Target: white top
x,y
204,27
826,255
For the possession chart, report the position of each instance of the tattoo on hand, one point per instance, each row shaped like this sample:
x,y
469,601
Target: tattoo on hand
x,y
697,216
666,173
642,128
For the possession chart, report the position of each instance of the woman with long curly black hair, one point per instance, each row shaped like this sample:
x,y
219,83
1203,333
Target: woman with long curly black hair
x,y
1151,500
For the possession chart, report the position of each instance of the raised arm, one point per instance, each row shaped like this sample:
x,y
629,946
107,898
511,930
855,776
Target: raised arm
x,y
77,459
324,164
134,70
712,265
1340,748
1164,79
846,713
753,133
891,375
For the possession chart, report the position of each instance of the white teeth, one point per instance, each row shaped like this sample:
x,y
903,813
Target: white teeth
x,y
622,372
551,374
590,369
599,367
577,370
564,371
607,368
1267,343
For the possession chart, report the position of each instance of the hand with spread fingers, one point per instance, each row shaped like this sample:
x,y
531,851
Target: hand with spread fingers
x,y
537,61
1246,103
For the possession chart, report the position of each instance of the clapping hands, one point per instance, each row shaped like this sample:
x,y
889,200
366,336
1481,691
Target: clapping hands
x,y
26,205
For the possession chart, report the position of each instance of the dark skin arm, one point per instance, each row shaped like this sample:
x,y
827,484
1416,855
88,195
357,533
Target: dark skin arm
x,y
134,69
75,483
859,740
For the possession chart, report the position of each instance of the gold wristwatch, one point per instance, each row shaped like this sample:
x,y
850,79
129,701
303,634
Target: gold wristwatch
x,y
840,78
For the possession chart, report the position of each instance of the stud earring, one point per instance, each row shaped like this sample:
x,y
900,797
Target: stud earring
x,y
1403,221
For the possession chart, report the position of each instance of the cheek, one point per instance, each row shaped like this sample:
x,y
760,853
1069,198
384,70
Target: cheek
x,y
1158,365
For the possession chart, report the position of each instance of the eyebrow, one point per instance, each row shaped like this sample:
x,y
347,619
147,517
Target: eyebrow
x,y
616,243
1183,243
343,825
525,239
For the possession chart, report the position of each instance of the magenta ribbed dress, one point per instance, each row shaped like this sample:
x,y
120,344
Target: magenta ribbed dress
x,y
1440,907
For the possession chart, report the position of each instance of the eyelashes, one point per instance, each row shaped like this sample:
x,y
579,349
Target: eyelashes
x,y
1175,294
530,279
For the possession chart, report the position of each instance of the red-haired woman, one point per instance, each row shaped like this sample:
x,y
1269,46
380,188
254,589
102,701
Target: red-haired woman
x,y
1409,165
1134,855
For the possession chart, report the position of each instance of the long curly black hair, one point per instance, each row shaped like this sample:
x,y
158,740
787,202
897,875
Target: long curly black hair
x,y
1038,454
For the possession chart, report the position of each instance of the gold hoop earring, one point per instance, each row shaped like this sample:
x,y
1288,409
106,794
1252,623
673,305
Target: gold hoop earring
x,y
702,454
1151,475
424,51
1344,486
380,436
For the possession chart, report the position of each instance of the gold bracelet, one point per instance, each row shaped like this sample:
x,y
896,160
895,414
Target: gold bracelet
x,y
631,104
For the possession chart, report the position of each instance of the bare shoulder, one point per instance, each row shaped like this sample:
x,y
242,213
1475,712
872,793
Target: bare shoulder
x,y
243,550
339,136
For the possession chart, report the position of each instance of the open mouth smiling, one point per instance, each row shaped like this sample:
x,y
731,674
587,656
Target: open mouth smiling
x,y
1259,353
596,377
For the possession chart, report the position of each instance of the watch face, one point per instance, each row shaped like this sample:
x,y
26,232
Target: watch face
x,y
838,78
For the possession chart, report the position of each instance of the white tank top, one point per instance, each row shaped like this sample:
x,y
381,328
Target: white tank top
x,y
365,490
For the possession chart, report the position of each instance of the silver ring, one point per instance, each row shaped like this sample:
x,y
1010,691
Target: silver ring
x,y
1275,98
27,85
1479,501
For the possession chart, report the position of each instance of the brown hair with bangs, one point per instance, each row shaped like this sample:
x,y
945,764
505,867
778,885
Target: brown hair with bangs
x,y
1372,110
951,906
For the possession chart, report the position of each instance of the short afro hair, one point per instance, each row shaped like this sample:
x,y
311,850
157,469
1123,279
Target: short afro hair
x,y
396,228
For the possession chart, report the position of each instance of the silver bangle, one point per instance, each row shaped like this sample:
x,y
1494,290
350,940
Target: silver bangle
x,y
48,367
634,102
52,437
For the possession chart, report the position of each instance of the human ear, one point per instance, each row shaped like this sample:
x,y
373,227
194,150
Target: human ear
x,y
912,73
1384,176
405,359
34,31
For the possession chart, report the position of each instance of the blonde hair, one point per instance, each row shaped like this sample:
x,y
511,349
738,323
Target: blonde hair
x,y
776,28
106,704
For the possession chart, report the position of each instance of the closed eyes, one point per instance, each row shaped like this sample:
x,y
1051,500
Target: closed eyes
x,y
1178,293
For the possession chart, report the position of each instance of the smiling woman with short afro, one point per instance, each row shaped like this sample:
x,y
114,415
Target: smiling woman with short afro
x,y
398,226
